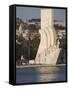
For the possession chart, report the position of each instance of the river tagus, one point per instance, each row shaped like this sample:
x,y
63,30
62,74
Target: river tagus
x,y
40,74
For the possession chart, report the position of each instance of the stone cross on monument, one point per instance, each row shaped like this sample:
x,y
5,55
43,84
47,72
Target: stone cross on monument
x,y
48,51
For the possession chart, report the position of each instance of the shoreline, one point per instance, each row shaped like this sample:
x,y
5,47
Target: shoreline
x,y
29,66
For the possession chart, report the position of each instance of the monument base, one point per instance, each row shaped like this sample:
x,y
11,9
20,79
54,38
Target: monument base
x,y
49,59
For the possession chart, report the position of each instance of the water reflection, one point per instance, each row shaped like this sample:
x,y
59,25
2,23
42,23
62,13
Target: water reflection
x,y
41,74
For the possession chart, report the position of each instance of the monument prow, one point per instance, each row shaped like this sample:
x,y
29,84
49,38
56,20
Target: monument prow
x,y
48,51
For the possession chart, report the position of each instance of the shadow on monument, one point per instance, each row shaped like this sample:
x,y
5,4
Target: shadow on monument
x,y
61,58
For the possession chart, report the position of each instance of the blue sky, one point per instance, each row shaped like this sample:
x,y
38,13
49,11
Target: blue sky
x,y
31,12
27,12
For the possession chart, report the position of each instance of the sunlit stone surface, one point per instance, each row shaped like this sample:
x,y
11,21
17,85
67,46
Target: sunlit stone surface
x,y
48,50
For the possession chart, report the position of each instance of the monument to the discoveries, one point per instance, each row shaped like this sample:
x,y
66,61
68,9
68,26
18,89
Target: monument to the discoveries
x,y
48,50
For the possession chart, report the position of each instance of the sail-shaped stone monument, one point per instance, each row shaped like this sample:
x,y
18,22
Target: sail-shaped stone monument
x,y
48,50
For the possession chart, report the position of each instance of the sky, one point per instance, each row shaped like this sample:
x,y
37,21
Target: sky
x,y
32,12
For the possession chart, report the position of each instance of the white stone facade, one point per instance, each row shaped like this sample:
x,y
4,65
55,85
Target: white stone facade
x,y
47,51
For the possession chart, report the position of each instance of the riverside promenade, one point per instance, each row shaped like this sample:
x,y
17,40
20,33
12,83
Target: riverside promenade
x,y
29,66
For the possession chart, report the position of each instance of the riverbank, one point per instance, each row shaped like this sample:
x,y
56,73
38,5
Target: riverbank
x,y
28,66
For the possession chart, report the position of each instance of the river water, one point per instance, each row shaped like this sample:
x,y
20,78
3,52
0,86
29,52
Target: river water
x,y
40,74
